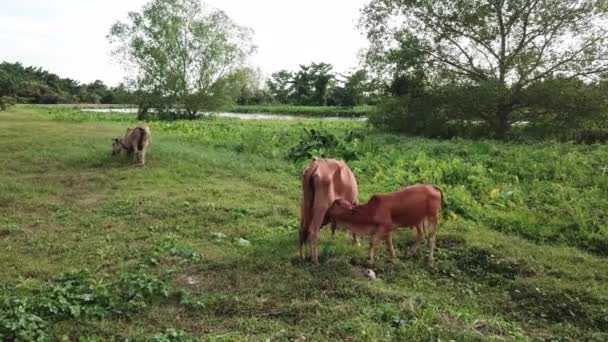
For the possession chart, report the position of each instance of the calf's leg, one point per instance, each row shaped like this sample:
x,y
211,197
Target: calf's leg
x,y
419,237
372,246
334,226
389,246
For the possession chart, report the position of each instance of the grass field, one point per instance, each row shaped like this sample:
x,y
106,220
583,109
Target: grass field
x,y
97,250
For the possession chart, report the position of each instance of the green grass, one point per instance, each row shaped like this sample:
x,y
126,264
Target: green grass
x,y
99,250
313,111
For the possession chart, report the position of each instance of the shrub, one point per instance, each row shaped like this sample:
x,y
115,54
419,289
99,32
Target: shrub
x,y
6,102
320,144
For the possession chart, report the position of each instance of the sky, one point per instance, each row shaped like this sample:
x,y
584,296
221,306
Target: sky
x,y
68,37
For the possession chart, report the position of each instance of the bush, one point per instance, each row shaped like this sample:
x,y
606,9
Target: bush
x,y
591,136
6,102
319,144
549,109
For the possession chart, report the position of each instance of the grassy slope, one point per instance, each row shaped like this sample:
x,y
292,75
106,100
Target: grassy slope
x,y
56,217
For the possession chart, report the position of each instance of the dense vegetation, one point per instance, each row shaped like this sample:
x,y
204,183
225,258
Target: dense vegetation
x,y
156,252
309,111
35,85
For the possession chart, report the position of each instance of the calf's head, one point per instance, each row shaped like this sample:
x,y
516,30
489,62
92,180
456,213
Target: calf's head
x,y
340,207
116,146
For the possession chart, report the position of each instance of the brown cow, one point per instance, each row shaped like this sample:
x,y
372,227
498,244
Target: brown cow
x,y
409,207
324,181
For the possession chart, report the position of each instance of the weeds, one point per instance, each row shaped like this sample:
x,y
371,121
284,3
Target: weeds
x,y
74,296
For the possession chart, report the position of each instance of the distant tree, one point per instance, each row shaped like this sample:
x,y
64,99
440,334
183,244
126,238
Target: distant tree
x,y
252,90
311,84
302,86
322,82
181,55
494,48
122,95
279,86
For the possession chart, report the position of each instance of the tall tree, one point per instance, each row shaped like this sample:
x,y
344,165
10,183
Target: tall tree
x,y
501,45
181,54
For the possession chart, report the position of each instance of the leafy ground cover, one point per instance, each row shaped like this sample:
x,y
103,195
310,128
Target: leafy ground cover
x,y
97,250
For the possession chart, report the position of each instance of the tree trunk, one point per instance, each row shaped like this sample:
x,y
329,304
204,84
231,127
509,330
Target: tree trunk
x,y
504,125
142,113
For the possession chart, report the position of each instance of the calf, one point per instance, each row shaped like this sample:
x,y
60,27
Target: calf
x,y
323,182
136,142
383,213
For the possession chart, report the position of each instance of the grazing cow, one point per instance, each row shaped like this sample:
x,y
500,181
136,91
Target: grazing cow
x,y
324,181
383,213
136,142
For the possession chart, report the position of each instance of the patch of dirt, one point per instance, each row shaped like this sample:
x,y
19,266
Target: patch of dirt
x,y
220,280
90,200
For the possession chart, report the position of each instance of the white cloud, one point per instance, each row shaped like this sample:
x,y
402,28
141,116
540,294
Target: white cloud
x,y
68,37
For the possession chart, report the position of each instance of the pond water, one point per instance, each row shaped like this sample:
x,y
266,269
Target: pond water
x,y
248,116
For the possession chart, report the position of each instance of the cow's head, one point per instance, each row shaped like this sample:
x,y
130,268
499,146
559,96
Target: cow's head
x,y
116,145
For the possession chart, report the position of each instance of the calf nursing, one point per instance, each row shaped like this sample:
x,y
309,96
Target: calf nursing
x,y
135,142
410,207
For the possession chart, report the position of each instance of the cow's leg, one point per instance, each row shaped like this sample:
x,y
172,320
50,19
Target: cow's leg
x,y
314,228
389,246
303,240
135,155
142,159
432,235
419,237
372,246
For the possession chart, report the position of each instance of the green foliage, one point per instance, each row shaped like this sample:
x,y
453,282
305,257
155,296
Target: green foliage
x,y
186,59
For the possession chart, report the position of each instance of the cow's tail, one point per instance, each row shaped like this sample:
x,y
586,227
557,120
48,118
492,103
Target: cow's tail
x,y
441,194
308,195
142,138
